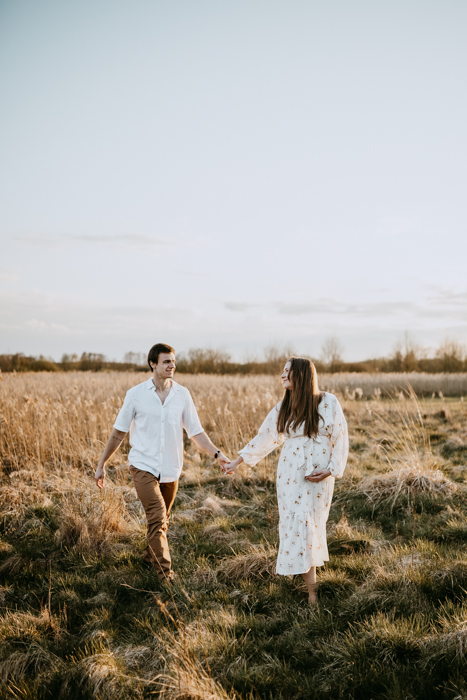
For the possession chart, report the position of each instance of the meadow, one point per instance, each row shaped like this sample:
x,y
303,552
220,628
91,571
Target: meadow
x,y
80,617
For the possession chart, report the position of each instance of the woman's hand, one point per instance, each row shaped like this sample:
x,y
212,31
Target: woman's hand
x,y
231,467
318,475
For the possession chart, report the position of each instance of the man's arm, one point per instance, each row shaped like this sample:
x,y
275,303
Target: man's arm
x,y
204,443
113,443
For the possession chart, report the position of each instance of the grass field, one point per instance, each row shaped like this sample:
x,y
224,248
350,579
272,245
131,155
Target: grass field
x,y
81,618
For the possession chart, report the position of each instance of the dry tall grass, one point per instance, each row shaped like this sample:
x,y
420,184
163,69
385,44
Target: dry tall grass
x,y
53,429
359,385
65,420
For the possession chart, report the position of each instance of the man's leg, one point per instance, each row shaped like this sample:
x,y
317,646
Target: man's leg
x,y
154,504
169,491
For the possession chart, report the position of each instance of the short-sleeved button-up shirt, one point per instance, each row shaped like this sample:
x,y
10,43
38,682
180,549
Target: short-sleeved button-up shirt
x,y
156,428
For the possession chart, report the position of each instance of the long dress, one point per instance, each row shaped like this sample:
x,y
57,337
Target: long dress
x,y
303,505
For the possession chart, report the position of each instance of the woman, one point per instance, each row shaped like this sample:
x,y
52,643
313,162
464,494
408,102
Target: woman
x,y
313,429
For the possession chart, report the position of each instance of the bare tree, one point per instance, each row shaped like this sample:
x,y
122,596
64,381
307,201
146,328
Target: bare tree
x,y
274,353
406,356
452,354
135,358
332,351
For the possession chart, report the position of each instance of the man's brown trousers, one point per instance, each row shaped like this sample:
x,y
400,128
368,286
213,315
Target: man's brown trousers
x,y
157,500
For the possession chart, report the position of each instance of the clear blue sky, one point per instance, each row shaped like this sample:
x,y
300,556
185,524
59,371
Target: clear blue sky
x,y
232,173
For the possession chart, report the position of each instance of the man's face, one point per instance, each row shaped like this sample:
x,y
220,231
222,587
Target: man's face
x,y
165,367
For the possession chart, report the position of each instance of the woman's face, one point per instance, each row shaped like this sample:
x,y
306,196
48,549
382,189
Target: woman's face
x,y
286,376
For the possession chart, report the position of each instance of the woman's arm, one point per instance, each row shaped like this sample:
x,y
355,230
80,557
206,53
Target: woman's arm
x,y
339,448
340,443
318,475
265,442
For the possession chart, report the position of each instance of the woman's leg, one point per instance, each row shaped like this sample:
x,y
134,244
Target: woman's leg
x,y
310,580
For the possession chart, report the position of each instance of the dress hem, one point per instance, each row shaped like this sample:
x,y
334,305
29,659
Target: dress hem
x,y
296,573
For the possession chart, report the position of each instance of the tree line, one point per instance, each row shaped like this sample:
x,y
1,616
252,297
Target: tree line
x,y
450,357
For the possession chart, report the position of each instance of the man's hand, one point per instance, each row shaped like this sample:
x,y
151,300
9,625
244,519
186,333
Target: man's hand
x,y
99,476
318,475
113,443
222,459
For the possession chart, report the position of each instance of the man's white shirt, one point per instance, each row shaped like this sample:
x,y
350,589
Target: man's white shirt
x,y
156,428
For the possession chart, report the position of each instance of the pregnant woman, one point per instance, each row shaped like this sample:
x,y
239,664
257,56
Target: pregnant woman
x,y
311,426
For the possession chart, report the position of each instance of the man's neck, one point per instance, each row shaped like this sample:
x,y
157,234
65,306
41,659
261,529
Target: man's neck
x,y
161,383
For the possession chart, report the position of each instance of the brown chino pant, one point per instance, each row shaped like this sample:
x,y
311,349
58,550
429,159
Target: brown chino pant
x,y
157,500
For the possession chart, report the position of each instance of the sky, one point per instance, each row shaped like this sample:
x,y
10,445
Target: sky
x,y
234,174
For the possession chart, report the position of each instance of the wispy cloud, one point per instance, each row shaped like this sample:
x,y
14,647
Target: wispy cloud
x,y
238,306
396,226
8,276
320,306
37,325
120,240
441,305
447,297
124,239
193,273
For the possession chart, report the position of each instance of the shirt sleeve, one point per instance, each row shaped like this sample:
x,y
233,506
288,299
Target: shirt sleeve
x,y
339,442
265,442
190,419
126,414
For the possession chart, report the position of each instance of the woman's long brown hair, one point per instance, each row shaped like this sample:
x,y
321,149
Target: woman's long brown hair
x,y
300,403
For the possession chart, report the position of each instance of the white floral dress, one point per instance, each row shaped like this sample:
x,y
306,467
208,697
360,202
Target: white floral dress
x,y
303,505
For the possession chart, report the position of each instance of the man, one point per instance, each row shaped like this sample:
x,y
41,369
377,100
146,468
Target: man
x,y
155,412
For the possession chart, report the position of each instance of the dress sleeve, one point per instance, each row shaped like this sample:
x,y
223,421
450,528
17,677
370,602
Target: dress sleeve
x,y
339,442
265,442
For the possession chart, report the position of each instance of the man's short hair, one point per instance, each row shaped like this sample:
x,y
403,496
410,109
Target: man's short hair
x,y
155,351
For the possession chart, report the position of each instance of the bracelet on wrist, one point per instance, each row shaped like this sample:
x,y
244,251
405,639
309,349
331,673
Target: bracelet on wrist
x,y
217,454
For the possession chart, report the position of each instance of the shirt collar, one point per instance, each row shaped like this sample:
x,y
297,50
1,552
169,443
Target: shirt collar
x,y
175,387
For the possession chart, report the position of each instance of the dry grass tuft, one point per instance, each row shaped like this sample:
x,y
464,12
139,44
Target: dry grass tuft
x,y
187,679
400,436
211,505
260,562
13,564
407,481
5,592
90,521
217,505
344,538
101,673
24,624
34,660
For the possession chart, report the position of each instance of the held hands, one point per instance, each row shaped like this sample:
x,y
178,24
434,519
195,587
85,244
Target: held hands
x,y
226,465
222,459
318,475
230,467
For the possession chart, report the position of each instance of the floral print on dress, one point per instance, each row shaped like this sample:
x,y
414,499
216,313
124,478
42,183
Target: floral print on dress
x,y
303,505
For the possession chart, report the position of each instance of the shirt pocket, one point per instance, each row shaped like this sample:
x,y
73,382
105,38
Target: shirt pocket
x,y
175,416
